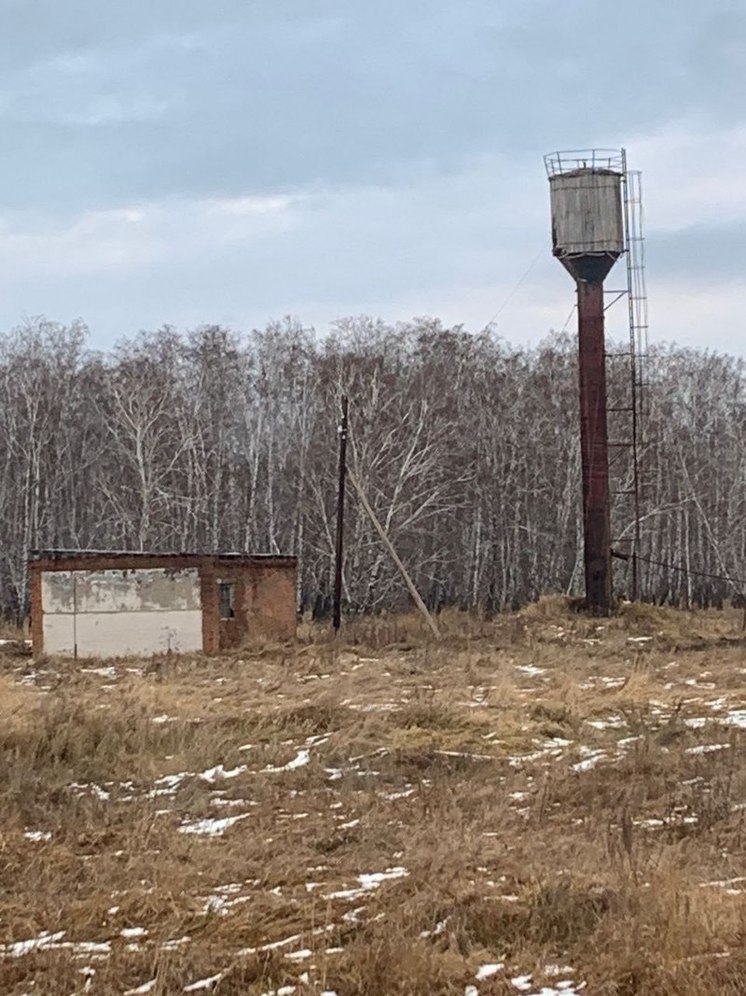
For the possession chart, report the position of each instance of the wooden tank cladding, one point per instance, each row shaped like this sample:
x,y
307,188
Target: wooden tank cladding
x,y
587,213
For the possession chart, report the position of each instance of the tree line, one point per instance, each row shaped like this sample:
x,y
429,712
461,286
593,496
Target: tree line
x,y
467,448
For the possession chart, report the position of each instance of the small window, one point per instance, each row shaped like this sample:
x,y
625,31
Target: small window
x,y
227,599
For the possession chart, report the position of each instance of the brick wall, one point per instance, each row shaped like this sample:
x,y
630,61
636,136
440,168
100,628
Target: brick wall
x,y
265,591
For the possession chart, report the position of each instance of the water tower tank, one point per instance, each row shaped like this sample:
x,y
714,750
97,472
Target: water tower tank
x,y
587,214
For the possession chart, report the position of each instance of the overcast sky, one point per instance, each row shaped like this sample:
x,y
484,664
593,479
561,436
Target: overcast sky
x,y
234,161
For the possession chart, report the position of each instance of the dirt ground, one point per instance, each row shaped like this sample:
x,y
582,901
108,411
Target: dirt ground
x,y
541,803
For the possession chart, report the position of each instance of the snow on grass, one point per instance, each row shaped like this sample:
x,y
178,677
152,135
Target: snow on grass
x,y
207,983
302,954
736,717
488,970
522,983
219,773
168,784
403,794
38,835
697,722
211,827
102,672
146,987
369,882
730,886
47,941
300,760
90,787
20,948
466,754
219,902
590,760
530,670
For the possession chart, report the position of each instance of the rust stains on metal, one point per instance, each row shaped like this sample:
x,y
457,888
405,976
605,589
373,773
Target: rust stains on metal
x,y
594,446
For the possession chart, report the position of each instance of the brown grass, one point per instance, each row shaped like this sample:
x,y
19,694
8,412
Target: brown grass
x,y
532,790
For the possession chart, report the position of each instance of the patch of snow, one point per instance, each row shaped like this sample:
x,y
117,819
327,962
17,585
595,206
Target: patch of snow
x,y
717,704
737,717
168,784
48,941
146,987
37,835
706,748
440,928
467,754
99,948
374,879
133,932
697,722
20,948
274,945
101,794
611,723
207,983
627,741
230,803
487,971
727,885
531,670
590,761
174,943
299,761
102,672
471,991
522,982
211,827
554,970
300,955
403,794
218,773
317,740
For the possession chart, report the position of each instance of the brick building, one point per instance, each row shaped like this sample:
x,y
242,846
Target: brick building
x,y
100,604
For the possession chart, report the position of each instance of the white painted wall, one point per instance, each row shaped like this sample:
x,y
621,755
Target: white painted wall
x,y
118,613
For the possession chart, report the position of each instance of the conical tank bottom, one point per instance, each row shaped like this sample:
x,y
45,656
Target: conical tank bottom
x,y
588,268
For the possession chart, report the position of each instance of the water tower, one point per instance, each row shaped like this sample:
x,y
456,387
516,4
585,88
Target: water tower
x,y
588,236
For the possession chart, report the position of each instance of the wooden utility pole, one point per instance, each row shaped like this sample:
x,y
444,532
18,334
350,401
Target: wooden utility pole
x,y
339,547
394,556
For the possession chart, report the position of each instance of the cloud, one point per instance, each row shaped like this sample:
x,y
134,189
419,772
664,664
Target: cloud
x,y
693,174
171,160
120,242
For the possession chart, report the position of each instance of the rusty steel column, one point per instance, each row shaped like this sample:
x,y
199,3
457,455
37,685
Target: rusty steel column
x,y
594,445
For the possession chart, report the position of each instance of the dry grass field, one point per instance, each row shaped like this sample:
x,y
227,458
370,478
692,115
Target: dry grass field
x,y
541,803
